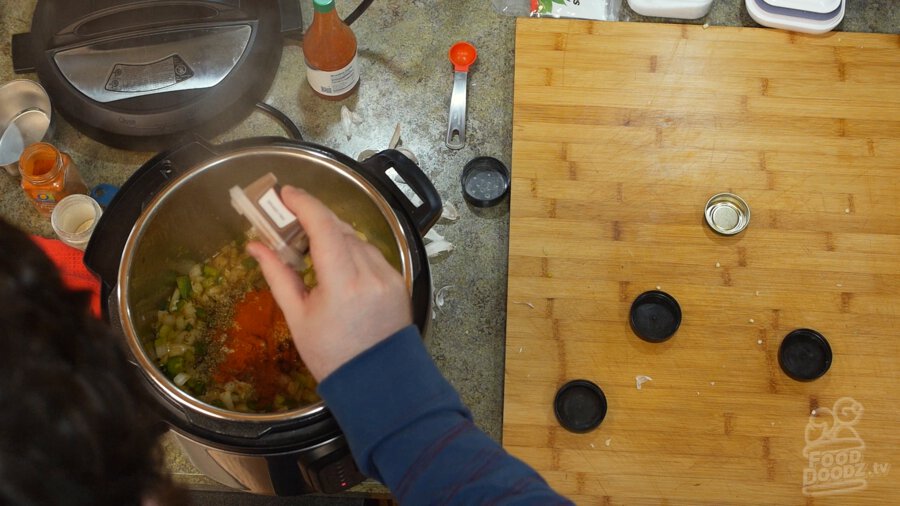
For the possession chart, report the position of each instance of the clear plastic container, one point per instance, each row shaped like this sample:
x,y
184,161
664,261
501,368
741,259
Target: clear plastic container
x,y
273,223
74,219
680,9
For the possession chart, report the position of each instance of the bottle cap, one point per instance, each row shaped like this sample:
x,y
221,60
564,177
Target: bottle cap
x,y
272,222
485,181
804,355
580,406
323,5
655,316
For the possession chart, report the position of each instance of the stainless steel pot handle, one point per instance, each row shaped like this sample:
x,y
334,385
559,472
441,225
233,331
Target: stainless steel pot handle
x,y
424,214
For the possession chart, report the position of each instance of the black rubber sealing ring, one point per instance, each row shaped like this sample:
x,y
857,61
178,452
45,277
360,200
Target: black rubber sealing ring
x,y
580,406
498,180
655,316
804,355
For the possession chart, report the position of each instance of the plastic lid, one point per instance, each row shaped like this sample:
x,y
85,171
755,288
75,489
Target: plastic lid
x,y
485,181
655,316
727,213
580,406
103,193
804,355
681,9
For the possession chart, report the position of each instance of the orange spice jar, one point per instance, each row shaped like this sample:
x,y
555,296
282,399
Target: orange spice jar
x,y
48,176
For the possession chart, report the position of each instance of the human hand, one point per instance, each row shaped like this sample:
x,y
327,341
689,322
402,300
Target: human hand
x,y
360,299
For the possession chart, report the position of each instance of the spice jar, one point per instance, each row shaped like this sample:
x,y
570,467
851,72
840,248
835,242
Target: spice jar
x,y
48,176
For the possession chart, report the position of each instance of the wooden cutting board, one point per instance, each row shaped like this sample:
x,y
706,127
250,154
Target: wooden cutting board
x,y
621,132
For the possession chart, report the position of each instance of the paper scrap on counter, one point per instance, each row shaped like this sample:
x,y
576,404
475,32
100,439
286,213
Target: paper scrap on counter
x,y
436,244
640,380
449,212
348,119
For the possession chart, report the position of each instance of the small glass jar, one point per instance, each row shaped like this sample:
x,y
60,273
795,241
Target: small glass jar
x,y
48,176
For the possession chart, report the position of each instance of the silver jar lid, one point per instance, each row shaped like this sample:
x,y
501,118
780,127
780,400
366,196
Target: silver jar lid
x,y
727,214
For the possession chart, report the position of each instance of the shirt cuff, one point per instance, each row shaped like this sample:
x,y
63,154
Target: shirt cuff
x,y
384,389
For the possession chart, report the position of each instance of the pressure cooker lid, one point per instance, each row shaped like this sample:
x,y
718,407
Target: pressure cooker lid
x,y
136,73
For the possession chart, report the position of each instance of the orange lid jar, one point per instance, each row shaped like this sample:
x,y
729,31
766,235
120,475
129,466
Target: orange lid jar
x,y
48,176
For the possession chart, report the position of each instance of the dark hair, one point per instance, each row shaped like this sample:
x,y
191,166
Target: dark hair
x,y
76,426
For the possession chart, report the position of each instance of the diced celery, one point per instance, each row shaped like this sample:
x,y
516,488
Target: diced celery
x,y
184,286
165,332
197,386
174,366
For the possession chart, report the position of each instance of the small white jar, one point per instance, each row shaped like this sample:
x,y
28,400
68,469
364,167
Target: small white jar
x,y
74,218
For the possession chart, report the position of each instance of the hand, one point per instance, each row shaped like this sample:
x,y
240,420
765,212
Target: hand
x,y
360,299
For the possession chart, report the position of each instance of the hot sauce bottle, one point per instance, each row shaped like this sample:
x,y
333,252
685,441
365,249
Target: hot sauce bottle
x,y
329,48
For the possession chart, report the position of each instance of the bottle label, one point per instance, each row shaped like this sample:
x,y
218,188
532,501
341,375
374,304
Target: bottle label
x,y
280,215
335,82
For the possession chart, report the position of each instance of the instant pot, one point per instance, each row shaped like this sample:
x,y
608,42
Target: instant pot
x,y
138,74
175,211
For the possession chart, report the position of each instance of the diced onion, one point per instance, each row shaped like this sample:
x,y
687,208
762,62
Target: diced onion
x,y
161,348
181,378
226,399
177,350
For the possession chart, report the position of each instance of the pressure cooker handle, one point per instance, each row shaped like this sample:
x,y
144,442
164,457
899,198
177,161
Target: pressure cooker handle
x,y
291,19
427,207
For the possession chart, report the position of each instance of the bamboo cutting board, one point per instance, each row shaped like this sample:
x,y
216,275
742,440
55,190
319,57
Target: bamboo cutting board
x,y
621,132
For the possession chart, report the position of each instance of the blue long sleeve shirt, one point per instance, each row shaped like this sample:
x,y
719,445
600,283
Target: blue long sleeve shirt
x,y
408,428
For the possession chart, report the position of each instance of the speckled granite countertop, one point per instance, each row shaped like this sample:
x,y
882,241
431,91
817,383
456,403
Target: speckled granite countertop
x,y
406,80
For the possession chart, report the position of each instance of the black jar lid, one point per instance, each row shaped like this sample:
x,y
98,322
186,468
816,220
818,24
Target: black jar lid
x,y
485,181
655,316
804,355
580,406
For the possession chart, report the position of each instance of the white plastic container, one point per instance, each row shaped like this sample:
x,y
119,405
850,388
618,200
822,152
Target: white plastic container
x,y
794,20
681,9
74,218
820,6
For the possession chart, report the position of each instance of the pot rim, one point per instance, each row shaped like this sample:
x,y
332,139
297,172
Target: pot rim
x,y
147,366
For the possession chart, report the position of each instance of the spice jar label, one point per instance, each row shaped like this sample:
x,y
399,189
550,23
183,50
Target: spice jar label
x,y
275,209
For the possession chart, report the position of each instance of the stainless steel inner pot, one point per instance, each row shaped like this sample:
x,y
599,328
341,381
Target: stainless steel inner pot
x,y
192,218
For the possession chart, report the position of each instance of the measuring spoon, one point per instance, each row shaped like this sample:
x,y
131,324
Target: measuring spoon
x,y
462,55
